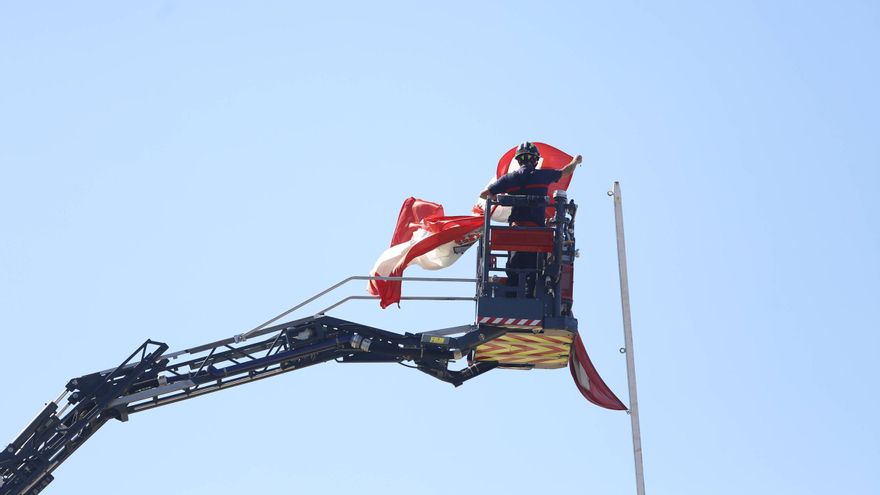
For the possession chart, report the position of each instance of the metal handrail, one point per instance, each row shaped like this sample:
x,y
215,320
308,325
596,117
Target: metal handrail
x,y
244,336
404,298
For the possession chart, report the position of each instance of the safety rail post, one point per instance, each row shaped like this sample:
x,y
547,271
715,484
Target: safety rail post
x,y
487,227
560,200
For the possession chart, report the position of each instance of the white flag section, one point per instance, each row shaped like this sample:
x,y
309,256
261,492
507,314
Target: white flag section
x,y
440,257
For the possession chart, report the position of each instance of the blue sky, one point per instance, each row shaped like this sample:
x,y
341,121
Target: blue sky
x,y
185,170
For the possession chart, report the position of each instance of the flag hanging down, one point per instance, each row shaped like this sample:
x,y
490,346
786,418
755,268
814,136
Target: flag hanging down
x,y
588,380
425,237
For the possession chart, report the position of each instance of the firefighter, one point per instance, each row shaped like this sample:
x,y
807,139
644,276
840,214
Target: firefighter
x,y
528,180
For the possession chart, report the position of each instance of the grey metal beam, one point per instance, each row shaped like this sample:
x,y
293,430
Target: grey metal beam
x,y
628,340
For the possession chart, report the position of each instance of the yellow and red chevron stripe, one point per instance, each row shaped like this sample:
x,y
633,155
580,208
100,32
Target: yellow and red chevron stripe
x,y
519,348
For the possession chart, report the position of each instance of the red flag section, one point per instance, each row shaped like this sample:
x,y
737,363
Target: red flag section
x,y
551,159
588,380
412,212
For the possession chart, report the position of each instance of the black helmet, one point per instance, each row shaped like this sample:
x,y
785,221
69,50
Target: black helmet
x,y
527,154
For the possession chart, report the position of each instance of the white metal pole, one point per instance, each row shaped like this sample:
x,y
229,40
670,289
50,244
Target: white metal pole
x,y
628,340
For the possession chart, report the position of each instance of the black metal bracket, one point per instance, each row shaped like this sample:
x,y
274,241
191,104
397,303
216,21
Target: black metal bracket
x,y
26,464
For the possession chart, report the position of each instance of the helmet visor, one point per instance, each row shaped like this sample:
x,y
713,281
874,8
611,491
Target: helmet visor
x,y
527,159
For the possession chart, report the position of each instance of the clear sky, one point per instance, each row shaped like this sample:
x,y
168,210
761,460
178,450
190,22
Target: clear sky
x,y
185,170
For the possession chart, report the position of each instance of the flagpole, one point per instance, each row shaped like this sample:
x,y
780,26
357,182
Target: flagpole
x,y
628,340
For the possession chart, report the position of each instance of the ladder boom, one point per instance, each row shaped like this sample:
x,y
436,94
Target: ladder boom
x,y
150,378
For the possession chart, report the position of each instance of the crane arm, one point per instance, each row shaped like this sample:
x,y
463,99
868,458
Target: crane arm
x,y
151,378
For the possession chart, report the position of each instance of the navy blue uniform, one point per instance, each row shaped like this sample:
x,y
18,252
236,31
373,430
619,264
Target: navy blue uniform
x,y
525,182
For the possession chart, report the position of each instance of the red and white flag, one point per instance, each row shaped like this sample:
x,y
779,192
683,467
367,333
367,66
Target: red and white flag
x,y
588,380
425,237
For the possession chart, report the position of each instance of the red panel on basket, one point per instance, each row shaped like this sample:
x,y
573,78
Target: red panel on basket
x,y
530,241
568,282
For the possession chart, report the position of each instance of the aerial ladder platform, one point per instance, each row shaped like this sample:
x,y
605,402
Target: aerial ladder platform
x,y
524,325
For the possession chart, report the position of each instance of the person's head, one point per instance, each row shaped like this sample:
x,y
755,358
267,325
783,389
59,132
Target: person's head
x,y
527,155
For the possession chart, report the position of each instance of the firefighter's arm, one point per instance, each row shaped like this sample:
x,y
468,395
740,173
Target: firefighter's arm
x,y
499,185
569,169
